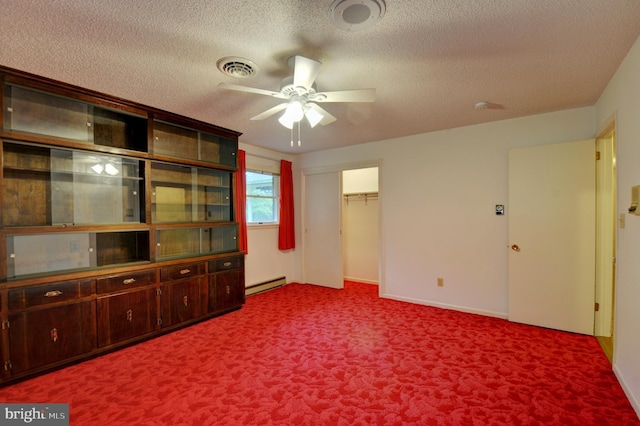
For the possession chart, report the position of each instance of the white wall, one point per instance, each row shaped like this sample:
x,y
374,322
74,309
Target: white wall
x,y
360,180
438,193
264,261
621,100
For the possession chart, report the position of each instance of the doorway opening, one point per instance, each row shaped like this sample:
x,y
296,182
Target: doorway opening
x,y
606,231
324,198
360,225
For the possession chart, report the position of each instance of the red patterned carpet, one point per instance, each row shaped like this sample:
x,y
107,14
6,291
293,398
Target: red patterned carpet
x,y
306,355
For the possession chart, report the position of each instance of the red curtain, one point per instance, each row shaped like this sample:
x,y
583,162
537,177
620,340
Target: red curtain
x,y
286,231
241,201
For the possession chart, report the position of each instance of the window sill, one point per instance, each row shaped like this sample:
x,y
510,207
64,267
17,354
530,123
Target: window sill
x,y
262,225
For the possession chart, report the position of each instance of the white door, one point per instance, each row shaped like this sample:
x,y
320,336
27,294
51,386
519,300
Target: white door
x,y
322,239
552,236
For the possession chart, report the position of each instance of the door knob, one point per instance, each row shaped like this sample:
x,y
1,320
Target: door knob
x,y
515,247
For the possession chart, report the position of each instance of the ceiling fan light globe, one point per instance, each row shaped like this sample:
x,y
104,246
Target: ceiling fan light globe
x,y
313,116
292,114
286,121
295,111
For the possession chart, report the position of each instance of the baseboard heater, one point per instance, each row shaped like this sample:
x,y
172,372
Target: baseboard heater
x,y
264,286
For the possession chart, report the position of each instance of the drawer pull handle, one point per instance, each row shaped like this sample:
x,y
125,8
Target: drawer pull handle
x,y
54,335
227,263
185,300
129,281
53,293
129,315
185,271
228,290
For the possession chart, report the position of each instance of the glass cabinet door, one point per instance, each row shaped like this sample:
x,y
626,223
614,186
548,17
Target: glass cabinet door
x,y
180,142
183,194
59,251
213,195
44,187
186,242
172,189
35,112
217,150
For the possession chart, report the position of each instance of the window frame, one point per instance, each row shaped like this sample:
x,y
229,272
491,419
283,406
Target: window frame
x,y
275,198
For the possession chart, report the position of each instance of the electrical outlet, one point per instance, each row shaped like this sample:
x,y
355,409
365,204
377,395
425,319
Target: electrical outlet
x,y
440,282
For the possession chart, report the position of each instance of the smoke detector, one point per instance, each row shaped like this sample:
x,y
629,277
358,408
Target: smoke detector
x,y
237,67
356,15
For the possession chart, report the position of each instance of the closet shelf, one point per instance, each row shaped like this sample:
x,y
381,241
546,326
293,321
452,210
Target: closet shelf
x,y
361,196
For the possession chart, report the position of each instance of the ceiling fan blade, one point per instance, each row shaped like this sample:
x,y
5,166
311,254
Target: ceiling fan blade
x,y
251,90
356,95
305,71
270,112
326,117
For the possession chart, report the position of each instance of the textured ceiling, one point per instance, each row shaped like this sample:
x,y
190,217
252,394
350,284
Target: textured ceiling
x,y
429,60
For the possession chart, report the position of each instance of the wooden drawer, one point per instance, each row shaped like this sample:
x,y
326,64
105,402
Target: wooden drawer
x,y
27,297
177,272
226,263
126,281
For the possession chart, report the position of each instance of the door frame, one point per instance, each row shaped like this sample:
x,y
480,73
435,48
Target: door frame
x,y
607,228
339,168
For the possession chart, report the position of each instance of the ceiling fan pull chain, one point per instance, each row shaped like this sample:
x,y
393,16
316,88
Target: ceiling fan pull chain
x,y
291,135
298,133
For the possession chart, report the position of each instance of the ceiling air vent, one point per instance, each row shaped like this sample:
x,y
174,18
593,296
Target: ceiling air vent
x,y
356,15
238,67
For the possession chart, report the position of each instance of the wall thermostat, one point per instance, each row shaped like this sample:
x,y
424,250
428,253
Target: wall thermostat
x,y
499,209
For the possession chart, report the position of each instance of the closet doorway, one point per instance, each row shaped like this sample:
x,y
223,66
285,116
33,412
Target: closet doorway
x,y
360,225
341,232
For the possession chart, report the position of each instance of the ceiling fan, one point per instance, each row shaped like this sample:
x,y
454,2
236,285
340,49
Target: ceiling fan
x,y
299,92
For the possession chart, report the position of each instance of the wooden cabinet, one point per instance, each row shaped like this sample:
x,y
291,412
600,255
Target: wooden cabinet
x,y
49,324
183,293
226,283
127,306
116,223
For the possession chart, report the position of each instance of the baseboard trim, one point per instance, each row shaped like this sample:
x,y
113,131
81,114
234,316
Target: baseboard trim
x,y
627,390
265,286
361,280
447,306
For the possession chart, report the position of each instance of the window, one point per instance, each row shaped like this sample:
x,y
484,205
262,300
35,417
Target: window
x,y
262,197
